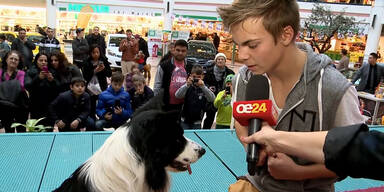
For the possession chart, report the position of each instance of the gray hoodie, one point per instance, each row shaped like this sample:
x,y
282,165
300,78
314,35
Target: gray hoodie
x,y
310,106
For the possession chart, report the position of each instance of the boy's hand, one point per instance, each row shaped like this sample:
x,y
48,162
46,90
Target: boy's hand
x,y
200,83
224,96
280,166
118,110
108,116
75,124
60,124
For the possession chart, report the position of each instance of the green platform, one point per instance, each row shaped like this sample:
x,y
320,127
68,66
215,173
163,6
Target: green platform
x,y
42,161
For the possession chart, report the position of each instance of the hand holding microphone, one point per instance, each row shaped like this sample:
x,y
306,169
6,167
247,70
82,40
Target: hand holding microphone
x,y
252,112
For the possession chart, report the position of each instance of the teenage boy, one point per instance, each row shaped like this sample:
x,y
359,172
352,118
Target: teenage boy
x,y
113,107
308,93
70,110
195,95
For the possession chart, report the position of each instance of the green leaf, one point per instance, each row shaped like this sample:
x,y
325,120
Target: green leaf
x,y
17,124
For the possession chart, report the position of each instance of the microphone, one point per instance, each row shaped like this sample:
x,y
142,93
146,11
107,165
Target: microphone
x,y
252,112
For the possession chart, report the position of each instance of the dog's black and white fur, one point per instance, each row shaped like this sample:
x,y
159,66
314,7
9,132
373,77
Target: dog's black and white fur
x,y
137,156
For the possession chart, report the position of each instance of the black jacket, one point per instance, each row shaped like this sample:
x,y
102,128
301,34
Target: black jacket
x,y
363,73
41,91
67,108
49,45
143,46
139,100
80,49
25,50
211,82
88,72
355,151
98,40
66,76
194,105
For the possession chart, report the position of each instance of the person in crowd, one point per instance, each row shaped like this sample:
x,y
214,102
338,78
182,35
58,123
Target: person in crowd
x,y
80,49
223,105
140,93
64,70
129,47
306,91
9,69
215,80
98,39
49,44
70,110
143,47
140,60
96,71
348,151
344,61
42,85
24,46
195,95
216,41
172,74
169,55
4,47
17,111
113,107
128,78
370,75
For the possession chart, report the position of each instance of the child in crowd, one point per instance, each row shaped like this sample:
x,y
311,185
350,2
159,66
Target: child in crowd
x,y
70,110
128,79
113,107
196,95
140,60
223,105
140,93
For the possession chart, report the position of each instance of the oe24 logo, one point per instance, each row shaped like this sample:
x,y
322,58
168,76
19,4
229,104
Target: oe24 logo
x,y
251,108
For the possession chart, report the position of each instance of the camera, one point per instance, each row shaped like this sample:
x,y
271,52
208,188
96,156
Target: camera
x,y
195,81
227,90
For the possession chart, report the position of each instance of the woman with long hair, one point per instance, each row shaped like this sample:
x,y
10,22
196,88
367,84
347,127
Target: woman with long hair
x,y
42,85
96,70
64,70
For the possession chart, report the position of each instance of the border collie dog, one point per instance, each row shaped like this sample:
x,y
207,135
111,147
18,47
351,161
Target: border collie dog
x,y
137,156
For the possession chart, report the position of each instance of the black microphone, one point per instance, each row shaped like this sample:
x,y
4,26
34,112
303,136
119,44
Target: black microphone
x,y
257,89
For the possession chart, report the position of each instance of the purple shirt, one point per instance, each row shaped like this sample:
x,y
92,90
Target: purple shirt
x,y
19,76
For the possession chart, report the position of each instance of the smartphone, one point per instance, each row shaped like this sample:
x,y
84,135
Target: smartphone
x,y
117,103
45,69
227,90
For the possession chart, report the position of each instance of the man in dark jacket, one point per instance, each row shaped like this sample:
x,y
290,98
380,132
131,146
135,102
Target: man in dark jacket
x,y
70,110
25,47
80,48
215,81
49,43
143,46
370,75
96,38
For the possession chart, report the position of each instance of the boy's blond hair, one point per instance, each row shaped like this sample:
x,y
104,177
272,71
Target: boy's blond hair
x,y
276,14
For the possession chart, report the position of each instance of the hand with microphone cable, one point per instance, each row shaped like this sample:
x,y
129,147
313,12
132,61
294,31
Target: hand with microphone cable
x,y
252,112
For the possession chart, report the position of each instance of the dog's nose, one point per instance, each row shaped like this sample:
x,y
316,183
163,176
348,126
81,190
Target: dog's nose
x,y
201,152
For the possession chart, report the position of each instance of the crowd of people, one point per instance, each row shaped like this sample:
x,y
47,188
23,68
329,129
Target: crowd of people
x,y
87,95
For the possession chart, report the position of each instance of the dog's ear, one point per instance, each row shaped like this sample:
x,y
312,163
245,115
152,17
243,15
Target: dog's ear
x,y
155,103
156,176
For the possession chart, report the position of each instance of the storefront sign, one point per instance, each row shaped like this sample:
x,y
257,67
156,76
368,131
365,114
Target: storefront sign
x,y
96,8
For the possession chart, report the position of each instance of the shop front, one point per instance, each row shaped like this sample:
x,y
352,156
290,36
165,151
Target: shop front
x,y
110,19
12,17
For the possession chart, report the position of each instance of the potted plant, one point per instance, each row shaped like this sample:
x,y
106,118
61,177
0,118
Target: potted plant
x,y
31,125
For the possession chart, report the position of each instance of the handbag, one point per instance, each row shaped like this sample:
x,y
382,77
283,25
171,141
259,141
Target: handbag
x,y
93,86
